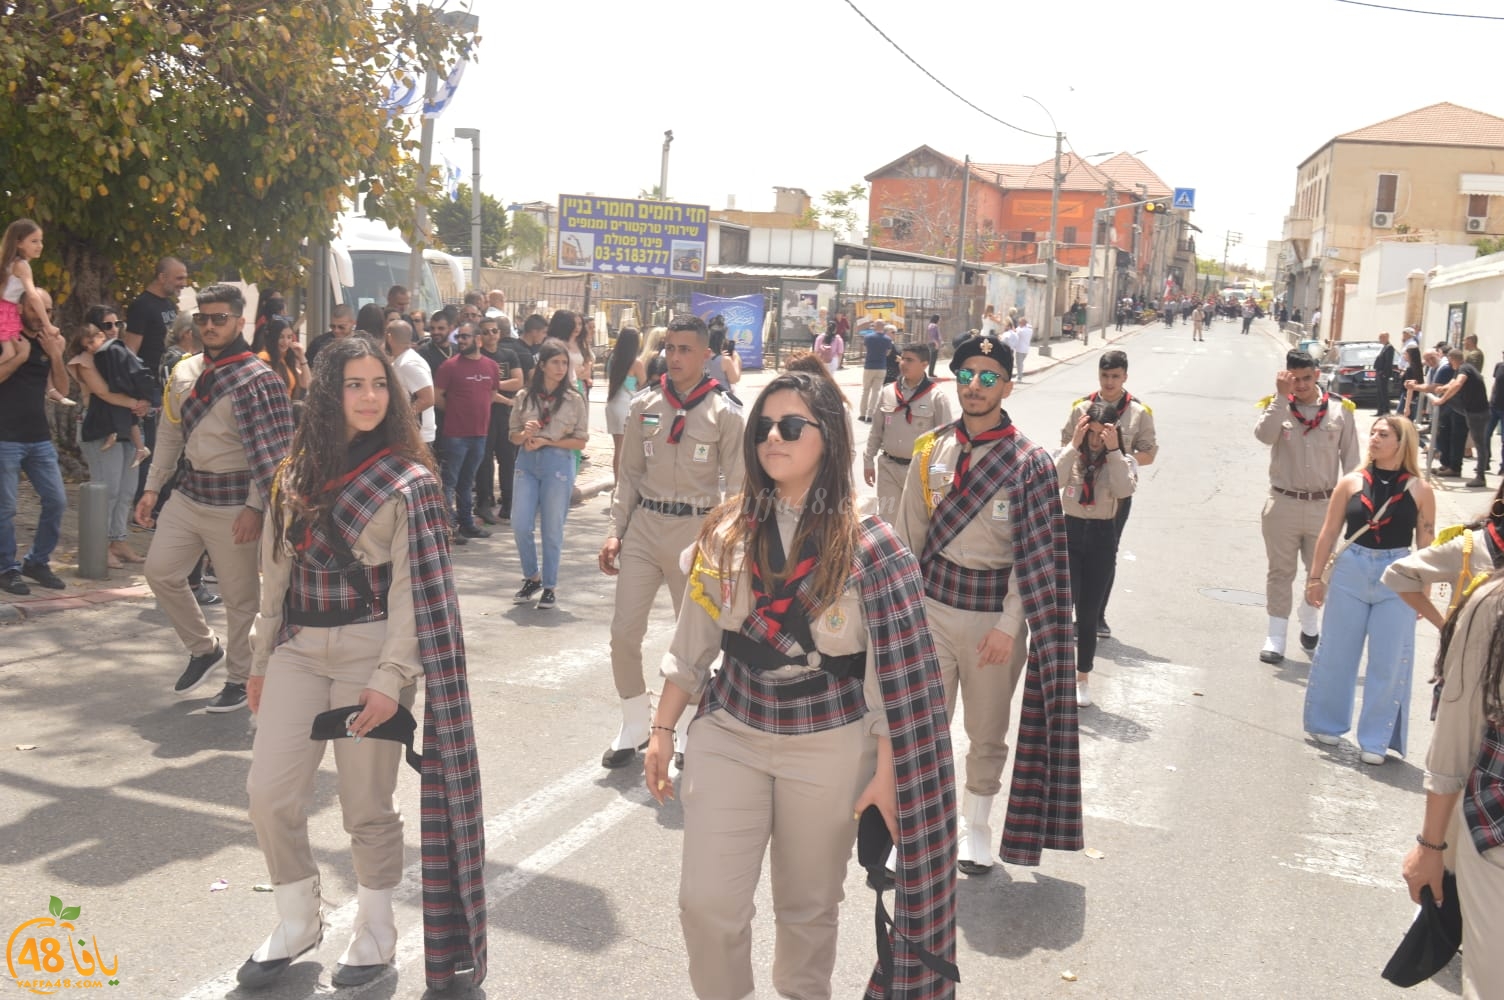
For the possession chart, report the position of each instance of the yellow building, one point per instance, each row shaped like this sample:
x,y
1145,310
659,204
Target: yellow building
x,y
1429,176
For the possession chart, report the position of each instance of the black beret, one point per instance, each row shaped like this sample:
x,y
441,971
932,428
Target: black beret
x,y
987,346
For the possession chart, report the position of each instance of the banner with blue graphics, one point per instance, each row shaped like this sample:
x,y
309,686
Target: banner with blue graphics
x,y
660,239
744,316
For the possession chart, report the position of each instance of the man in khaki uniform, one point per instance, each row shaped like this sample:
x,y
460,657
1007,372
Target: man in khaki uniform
x,y
682,437
905,409
973,598
1135,430
226,413
1313,442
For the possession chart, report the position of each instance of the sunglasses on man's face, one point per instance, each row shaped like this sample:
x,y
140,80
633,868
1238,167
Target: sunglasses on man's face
x,y
110,325
988,379
789,428
218,319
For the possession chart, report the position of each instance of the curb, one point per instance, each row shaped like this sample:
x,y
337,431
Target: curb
x,y
20,611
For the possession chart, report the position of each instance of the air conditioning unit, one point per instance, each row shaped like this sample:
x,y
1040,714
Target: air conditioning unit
x,y
886,222
1383,220
1477,224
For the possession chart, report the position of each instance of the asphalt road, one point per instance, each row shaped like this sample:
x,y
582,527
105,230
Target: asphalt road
x,y
1237,858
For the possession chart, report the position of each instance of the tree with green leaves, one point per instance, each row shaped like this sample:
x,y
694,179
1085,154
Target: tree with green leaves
x,y
1488,245
452,221
225,133
836,210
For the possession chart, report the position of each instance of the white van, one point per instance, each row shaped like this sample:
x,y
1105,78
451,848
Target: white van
x,y
368,257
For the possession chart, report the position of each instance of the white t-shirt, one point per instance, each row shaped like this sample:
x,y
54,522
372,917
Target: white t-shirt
x,y
1023,336
415,374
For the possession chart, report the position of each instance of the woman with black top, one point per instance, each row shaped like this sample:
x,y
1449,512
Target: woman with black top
x,y
1415,371
1382,509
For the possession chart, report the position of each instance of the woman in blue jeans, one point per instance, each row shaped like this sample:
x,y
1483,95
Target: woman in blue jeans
x,y
548,426
1358,607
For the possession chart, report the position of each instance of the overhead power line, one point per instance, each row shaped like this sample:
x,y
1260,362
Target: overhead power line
x,y
1432,13
949,90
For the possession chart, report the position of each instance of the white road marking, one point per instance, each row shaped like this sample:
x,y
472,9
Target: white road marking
x,y
501,828
564,669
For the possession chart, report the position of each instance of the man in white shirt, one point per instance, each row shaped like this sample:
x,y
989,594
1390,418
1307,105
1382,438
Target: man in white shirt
x,y
414,373
1019,338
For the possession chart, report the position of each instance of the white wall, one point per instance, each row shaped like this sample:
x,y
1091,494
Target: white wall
x,y
1484,295
1378,302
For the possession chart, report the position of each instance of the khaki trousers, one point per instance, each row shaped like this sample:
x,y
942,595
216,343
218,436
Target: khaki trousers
x,y
1480,889
649,559
187,529
314,671
890,480
741,787
1291,527
872,389
988,692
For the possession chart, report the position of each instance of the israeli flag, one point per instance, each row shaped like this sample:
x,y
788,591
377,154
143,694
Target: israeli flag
x,y
445,92
452,175
402,96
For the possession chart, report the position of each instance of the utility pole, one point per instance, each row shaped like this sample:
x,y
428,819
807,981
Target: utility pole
x,y
473,134
1228,241
1049,267
459,23
668,138
961,241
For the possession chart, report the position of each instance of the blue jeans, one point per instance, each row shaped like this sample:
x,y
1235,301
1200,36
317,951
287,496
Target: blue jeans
x,y
38,460
461,459
1359,607
113,468
541,489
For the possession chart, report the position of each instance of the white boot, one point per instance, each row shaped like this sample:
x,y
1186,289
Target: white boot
x,y
681,736
636,717
974,852
300,928
373,939
1274,645
1310,625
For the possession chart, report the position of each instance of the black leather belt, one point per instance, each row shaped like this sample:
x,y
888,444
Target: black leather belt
x,y
1297,495
896,460
761,658
334,619
673,508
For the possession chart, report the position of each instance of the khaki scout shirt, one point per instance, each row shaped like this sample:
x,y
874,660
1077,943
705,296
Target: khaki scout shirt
x,y
570,422
688,472
384,540
985,543
892,434
716,604
1135,429
1308,463
215,444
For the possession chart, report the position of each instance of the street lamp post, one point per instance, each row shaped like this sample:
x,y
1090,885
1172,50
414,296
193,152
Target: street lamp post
x,y
460,23
668,138
473,134
1048,319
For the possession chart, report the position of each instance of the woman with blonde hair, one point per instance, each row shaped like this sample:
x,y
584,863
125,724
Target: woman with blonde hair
x,y
1379,512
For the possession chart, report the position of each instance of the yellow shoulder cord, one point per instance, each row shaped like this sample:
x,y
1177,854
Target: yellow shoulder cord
x,y
697,590
923,447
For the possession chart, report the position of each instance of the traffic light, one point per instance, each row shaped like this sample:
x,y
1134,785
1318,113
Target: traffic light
x,y
1157,206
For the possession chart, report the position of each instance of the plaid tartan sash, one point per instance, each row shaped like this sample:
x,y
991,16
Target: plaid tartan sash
x,y
214,489
984,479
1483,805
966,589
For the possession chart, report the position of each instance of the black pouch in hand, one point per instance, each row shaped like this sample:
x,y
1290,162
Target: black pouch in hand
x,y
400,728
873,843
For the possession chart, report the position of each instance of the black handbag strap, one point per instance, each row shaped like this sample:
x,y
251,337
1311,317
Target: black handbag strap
x,y
883,924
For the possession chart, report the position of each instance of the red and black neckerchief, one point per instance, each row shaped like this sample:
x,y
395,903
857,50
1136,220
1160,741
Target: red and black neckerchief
x,y
1122,404
1092,463
1314,422
1004,429
683,406
365,451
920,391
233,354
1397,489
554,401
771,604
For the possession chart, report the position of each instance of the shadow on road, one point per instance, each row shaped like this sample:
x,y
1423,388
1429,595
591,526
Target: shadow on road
x,y
1009,918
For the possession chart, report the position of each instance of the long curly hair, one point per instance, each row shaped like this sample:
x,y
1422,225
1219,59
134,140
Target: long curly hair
x,y
319,446
829,516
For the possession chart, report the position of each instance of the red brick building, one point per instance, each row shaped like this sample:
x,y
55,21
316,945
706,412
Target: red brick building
x,y
915,204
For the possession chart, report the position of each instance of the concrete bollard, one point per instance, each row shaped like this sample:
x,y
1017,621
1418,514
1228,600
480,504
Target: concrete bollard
x,y
93,531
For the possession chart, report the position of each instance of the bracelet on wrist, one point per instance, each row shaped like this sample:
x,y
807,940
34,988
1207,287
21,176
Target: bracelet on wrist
x,y
1420,839
666,729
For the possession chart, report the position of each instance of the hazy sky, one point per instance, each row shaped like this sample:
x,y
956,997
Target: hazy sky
x,y
1226,98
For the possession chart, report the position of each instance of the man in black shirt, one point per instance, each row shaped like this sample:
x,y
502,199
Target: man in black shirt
x,y
147,321
341,325
1464,405
1383,373
26,446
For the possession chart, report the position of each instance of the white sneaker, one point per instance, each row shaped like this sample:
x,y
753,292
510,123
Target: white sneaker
x,y
1372,758
1083,694
1327,741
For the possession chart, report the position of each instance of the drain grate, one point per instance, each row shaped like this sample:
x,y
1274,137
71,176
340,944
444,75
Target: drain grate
x,y
1247,598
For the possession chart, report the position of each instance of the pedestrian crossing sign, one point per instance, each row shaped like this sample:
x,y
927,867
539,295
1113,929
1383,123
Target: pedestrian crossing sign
x,y
1185,198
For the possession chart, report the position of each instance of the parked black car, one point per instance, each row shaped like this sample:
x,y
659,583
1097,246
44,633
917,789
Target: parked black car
x,y
1352,374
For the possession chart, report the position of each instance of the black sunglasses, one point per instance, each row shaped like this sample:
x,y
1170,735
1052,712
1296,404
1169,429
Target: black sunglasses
x,y
110,325
218,319
790,428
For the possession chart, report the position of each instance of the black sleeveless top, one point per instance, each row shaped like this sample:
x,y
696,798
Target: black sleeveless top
x,y
1396,529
